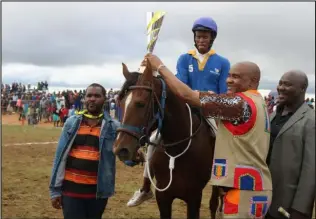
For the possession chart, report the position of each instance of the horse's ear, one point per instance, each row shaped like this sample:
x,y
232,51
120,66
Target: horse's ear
x,y
148,73
126,72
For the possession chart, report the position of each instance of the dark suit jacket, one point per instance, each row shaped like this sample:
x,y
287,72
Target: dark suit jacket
x,y
292,163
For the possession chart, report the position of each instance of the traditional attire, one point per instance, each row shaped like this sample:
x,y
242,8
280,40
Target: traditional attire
x,y
242,145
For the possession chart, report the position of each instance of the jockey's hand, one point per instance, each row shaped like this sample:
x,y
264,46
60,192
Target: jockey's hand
x,y
56,202
211,92
153,60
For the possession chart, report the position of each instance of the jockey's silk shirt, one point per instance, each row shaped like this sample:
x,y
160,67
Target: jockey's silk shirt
x,y
206,72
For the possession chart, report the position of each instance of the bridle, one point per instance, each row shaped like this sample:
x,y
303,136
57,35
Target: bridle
x,y
141,133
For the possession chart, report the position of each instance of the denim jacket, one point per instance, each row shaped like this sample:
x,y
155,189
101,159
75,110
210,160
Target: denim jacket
x,y
106,170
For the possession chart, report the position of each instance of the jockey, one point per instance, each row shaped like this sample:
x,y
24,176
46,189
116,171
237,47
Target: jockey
x,y
201,69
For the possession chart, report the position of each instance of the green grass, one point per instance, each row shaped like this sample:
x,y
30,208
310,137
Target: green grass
x,y
25,178
20,134
26,172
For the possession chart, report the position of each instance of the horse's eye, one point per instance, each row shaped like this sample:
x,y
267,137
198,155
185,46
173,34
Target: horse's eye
x,y
140,104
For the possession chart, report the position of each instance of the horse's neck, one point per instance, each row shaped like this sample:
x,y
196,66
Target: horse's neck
x,y
176,124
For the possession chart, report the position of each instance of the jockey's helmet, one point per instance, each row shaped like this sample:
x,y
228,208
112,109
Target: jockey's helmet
x,y
205,24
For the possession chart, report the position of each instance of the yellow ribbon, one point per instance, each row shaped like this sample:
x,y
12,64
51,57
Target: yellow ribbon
x,y
85,113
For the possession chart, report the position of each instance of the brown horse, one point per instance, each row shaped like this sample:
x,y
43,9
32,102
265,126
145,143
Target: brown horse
x,y
147,104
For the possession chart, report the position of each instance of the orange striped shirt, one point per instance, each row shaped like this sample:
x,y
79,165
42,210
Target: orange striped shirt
x,y
82,164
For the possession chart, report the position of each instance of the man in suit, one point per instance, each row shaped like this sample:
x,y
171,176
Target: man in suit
x,y
291,157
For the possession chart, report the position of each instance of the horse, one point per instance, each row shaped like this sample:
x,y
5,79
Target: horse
x,y
147,105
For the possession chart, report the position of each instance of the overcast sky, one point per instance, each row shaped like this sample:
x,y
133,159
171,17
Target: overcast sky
x,y
75,44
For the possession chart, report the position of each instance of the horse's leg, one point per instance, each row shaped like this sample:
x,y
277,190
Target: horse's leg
x,y
193,207
164,204
213,205
221,197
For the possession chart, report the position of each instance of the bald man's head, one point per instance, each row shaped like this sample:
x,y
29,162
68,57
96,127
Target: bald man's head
x,y
298,76
251,68
292,87
243,76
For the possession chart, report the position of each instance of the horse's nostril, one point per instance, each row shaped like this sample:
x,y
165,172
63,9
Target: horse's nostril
x,y
123,152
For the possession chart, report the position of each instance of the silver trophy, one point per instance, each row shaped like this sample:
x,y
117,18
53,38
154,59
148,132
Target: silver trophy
x,y
154,23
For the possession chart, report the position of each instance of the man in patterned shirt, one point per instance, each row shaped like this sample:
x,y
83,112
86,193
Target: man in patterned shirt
x,y
242,141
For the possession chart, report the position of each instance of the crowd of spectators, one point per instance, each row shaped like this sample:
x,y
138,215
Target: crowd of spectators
x,y
38,105
272,103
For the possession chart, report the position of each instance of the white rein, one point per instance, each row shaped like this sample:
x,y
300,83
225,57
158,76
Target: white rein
x,y
172,159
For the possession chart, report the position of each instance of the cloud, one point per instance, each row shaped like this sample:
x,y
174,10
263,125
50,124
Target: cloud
x,y
65,43
70,76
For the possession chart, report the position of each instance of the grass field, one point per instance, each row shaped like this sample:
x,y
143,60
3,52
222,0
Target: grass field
x,y
26,171
25,177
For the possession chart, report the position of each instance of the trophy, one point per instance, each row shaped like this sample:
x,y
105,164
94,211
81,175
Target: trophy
x,y
154,23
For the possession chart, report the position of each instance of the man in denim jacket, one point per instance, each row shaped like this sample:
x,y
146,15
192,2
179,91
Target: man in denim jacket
x,y
83,175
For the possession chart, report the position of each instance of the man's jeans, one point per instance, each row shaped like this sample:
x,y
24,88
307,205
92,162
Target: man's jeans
x,y
80,208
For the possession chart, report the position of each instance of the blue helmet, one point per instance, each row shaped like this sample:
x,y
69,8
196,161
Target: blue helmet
x,y
205,24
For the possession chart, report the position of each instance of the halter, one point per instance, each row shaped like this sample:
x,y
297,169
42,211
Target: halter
x,y
141,133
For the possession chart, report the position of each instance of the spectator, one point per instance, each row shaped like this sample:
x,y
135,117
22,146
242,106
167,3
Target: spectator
x,y
313,103
63,115
271,104
71,111
291,157
56,117
85,196
309,103
10,106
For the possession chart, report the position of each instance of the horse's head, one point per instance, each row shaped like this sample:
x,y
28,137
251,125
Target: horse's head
x,y
140,101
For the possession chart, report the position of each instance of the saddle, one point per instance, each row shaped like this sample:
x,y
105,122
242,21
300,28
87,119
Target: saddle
x,y
212,124
209,120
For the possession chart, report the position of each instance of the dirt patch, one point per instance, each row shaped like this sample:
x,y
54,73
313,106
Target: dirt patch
x,y
26,171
